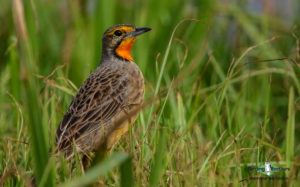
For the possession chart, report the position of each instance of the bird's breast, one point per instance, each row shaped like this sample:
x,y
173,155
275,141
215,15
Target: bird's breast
x,y
136,89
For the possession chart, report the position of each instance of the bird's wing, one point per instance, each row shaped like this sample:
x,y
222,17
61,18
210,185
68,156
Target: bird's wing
x,y
98,100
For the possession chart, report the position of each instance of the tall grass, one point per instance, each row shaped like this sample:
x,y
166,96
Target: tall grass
x,y
222,91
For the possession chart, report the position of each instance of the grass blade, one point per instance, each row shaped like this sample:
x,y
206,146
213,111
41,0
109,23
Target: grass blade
x,y
126,173
210,154
157,166
98,170
290,130
38,138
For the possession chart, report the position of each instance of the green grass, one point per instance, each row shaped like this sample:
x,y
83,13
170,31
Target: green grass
x,y
222,91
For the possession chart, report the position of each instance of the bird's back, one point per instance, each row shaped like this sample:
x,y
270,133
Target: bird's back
x,y
114,89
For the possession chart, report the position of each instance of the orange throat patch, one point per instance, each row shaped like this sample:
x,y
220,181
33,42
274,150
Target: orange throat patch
x,y
123,50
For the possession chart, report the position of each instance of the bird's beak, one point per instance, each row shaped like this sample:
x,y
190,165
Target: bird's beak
x,y
140,30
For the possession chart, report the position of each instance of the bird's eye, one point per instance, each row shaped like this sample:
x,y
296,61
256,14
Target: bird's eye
x,y
118,33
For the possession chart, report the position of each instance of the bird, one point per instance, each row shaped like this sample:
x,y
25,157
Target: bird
x,y
108,101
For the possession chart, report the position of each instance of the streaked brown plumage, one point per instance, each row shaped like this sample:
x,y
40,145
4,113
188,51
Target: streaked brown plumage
x,y
114,89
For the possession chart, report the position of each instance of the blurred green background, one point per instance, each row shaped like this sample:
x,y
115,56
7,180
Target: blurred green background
x,y
227,86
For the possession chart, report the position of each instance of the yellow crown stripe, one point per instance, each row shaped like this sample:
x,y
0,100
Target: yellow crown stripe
x,y
121,28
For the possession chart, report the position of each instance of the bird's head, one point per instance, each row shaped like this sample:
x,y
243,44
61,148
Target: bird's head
x,y
119,39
